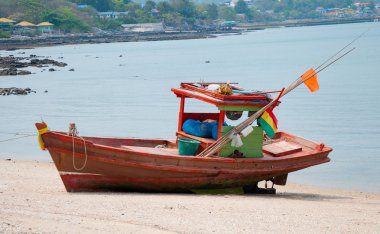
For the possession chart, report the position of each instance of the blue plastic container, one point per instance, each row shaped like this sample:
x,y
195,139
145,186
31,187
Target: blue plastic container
x,y
187,146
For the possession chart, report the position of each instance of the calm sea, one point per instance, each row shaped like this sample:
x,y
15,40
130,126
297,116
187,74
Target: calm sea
x,y
123,89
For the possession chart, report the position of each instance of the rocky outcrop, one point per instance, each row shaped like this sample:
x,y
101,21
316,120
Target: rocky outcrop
x,y
38,62
15,91
10,65
13,72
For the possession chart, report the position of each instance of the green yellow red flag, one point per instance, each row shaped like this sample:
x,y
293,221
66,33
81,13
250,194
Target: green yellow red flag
x,y
268,122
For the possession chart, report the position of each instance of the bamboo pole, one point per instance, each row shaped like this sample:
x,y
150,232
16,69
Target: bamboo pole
x,y
212,149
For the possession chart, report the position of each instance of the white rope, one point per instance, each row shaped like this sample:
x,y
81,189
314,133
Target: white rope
x,y
16,138
74,132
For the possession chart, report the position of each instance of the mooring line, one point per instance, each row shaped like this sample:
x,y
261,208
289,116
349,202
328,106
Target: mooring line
x,y
16,138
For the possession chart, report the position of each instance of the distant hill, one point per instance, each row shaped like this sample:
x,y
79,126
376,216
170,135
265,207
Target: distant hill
x,y
63,14
82,15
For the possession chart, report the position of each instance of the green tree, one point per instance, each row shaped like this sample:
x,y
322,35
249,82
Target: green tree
x,y
4,34
227,13
241,7
165,7
144,17
132,7
127,19
118,5
99,5
172,19
212,11
109,24
32,9
149,5
185,7
66,20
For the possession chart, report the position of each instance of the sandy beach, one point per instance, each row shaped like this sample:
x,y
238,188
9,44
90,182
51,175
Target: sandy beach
x,y
33,200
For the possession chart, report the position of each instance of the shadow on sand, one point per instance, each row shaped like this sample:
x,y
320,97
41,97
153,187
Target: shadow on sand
x,y
308,196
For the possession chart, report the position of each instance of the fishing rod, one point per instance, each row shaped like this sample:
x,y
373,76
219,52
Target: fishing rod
x,y
350,43
242,126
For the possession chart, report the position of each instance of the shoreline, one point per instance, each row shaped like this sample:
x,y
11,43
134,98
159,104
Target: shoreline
x,y
34,200
75,39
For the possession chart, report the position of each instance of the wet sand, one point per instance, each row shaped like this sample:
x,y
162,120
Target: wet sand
x,y
33,200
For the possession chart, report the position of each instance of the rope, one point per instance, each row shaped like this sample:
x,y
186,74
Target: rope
x,y
16,138
15,133
73,133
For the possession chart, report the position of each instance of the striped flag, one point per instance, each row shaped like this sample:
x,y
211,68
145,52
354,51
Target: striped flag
x,y
268,122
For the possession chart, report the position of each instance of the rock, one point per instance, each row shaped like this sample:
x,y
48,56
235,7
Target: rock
x,y
9,65
51,69
15,91
121,56
9,72
72,69
22,72
13,72
45,91
207,61
39,62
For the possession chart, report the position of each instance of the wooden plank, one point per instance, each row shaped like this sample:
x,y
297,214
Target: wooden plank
x,y
282,148
150,150
201,139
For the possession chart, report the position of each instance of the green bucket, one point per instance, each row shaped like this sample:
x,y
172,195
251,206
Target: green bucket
x,y
187,146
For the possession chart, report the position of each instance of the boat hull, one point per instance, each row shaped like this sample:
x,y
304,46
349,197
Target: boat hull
x,y
98,164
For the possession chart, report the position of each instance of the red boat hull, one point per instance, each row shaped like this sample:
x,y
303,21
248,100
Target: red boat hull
x,y
128,164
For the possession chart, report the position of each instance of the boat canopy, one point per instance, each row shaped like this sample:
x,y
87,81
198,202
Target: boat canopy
x,y
236,101
240,100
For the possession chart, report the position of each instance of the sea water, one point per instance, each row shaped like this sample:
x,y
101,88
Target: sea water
x,y
123,89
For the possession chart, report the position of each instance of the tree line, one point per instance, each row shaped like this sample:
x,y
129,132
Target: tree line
x,y
184,14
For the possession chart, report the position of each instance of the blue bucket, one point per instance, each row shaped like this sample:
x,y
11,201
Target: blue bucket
x,y
188,146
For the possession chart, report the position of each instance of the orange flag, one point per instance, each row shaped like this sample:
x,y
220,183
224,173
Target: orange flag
x,y
312,82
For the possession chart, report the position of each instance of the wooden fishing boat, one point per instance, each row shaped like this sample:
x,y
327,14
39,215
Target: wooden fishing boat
x,y
132,164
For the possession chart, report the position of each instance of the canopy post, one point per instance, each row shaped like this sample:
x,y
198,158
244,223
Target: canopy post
x,y
181,111
220,124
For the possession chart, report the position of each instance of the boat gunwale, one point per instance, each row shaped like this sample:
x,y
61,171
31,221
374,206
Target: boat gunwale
x,y
267,159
